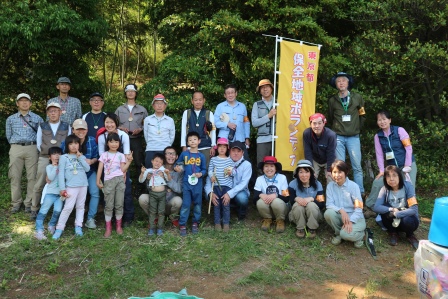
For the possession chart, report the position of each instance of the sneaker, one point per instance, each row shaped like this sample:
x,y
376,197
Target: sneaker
x,y
78,231
183,231
226,228
300,233
51,229
159,232
57,234
218,227
90,223
280,226
27,209
359,244
15,210
175,223
150,232
40,235
393,240
266,224
312,233
194,228
413,240
33,215
336,240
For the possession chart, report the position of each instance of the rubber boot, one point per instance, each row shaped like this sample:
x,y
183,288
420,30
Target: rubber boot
x,y
118,226
108,229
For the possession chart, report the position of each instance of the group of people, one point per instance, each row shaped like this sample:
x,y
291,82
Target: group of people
x,y
72,155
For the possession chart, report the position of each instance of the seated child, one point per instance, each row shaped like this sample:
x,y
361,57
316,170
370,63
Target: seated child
x,y
51,196
219,172
156,177
271,194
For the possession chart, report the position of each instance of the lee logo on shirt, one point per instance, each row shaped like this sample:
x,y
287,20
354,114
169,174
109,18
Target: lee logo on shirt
x,y
192,161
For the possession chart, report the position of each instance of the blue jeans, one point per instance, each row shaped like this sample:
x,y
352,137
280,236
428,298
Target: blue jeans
x,y
94,196
241,200
221,210
191,194
353,146
49,200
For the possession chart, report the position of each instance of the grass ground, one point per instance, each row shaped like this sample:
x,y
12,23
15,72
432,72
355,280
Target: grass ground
x,y
245,263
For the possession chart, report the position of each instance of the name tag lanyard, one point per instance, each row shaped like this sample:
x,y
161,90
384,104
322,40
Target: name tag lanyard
x,y
345,104
390,155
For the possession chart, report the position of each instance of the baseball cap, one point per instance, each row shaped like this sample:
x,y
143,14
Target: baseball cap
x,y
79,124
64,80
23,95
96,94
53,104
130,87
238,144
159,97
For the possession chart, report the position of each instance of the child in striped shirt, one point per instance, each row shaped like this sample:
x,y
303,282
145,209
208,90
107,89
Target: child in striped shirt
x,y
219,173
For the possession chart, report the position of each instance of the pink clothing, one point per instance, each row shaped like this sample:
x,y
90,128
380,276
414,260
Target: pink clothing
x,y
379,150
112,164
78,198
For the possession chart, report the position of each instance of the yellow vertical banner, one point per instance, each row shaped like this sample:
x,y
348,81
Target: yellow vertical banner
x,y
296,100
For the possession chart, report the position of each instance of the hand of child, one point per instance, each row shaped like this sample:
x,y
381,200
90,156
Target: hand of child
x,y
167,171
213,179
178,168
64,193
198,174
149,176
129,157
47,180
161,174
100,185
143,169
78,154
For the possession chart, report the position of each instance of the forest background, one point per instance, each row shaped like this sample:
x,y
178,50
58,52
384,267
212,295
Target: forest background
x,y
395,49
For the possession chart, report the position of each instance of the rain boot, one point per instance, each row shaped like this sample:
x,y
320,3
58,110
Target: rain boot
x,y
108,229
118,226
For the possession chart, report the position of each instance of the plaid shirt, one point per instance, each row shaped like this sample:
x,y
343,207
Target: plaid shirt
x,y
90,152
18,131
71,106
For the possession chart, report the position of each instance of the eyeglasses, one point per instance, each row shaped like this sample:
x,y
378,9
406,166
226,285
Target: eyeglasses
x,y
170,154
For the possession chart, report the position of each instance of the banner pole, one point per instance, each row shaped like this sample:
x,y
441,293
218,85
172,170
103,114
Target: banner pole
x,y
274,104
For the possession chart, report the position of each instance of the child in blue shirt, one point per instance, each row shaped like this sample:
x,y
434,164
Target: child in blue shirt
x,y
51,196
194,168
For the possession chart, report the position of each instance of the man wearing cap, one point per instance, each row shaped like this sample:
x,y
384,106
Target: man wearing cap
x,y
262,113
241,173
21,133
70,107
231,118
131,117
95,118
319,144
346,116
89,149
50,133
158,129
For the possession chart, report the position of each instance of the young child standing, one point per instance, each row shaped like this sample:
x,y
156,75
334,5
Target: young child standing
x,y
51,197
115,165
194,168
157,177
271,194
72,179
219,171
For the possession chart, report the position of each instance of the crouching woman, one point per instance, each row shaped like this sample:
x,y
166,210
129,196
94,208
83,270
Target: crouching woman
x,y
344,207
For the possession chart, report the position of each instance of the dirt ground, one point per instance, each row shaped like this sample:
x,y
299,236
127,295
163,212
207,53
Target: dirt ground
x,y
393,274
